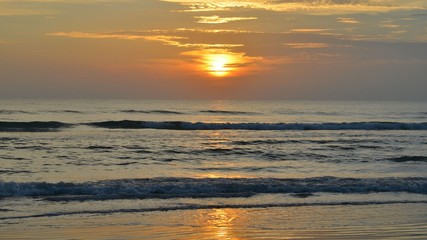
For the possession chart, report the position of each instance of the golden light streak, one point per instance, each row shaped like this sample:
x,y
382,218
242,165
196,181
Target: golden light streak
x,y
309,30
388,25
323,7
96,35
348,20
217,20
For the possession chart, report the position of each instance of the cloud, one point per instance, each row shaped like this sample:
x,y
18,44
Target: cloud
x,y
217,20
306,45
177,41
243,51
117,35
317,31
388,25
315,7
347,20
310,30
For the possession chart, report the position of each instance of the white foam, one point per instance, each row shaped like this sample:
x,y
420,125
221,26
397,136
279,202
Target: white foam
x,y
207,187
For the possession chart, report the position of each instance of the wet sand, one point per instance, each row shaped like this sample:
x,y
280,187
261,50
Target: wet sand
x,y
383,221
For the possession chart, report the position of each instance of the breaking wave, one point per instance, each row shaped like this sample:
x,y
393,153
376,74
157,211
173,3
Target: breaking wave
x,y
206,187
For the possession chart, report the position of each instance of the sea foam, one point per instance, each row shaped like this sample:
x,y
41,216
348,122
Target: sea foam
x,y
207,187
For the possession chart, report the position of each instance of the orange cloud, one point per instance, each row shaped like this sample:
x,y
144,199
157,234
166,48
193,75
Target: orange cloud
x,y
347,20
166,39
96,35
217,20
314,7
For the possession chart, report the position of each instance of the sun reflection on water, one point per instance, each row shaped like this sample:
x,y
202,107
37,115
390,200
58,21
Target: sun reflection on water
x,y
220,223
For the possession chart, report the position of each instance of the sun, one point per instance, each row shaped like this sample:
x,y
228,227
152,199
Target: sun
x,y
221,63
218,65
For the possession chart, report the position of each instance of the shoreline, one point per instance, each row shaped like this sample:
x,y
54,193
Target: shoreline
x,y
386,221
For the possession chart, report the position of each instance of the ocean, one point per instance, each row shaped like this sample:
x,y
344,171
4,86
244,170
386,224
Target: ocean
x,y
148,169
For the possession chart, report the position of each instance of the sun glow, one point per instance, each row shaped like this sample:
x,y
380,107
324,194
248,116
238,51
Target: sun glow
x,y
219,65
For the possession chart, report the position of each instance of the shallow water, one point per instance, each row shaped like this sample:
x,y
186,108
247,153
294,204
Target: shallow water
x,y
389,221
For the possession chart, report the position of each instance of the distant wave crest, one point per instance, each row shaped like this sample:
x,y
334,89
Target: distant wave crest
x,y
228,112
207,187
11,112
409,159
181,125
151,111
32,126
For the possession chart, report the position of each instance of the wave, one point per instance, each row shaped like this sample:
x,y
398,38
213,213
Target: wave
x,y
35,126
151,111
294,112
409,159
206,187
228,112
14,171
358,142
265,142
66,111
10,112
180,125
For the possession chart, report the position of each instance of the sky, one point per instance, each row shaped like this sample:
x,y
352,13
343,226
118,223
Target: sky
x,y
205,49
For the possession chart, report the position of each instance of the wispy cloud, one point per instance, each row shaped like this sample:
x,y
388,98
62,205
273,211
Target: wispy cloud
x,y
399,32
217,20
309,30
96,35
178,41
201,30
306,45
347,20
389,25
316,6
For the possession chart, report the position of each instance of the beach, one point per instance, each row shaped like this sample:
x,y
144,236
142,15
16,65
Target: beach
x,y
384,221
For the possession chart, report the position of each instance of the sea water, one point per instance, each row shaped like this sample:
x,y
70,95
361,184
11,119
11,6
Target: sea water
x,y
75,159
